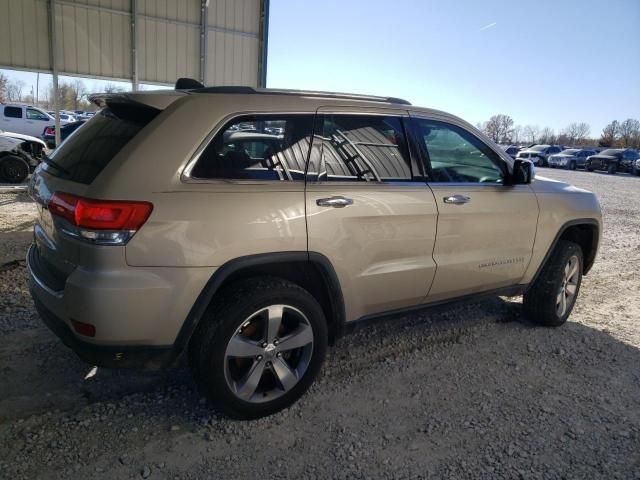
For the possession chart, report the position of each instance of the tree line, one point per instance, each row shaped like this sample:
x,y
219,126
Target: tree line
x,y
71,95
502,129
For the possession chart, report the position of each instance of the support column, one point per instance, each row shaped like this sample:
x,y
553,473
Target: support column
x,y
53,58
204,35
264,44
134,45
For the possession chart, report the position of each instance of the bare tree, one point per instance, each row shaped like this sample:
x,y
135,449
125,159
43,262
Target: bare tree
x,y
582,132
547,135
516,133
629,132
14,90
530,133
111,88
78,91
3,87
610,134
498,128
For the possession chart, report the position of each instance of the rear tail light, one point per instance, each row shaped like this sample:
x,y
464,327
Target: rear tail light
x,y
105,222
49,131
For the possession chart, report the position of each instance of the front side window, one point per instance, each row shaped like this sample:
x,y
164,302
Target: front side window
x,y
33,114
13,112
361,148
455,155
258,147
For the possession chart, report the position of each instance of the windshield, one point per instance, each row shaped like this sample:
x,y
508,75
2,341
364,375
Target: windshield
x,y
539,148
611,152
570,151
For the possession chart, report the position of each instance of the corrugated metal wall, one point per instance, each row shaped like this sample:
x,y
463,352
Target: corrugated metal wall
x,y
94,39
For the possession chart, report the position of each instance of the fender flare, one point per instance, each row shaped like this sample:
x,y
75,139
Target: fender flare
x,y
226,270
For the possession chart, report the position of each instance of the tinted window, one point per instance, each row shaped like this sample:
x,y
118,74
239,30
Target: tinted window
x,y
33,114
456,155
13,112
273,147
554,150
83,155
361,148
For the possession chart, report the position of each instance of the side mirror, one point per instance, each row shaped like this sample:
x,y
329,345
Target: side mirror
x,y
523,172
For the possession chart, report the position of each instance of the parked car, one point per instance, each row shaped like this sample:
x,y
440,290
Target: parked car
x,y
24,119
539,154
49,133
613,160
512,150
167,242
570,158
19,156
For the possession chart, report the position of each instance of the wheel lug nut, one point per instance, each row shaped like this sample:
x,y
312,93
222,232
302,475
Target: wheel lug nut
x,y
276,341
278,354
259,357
264,345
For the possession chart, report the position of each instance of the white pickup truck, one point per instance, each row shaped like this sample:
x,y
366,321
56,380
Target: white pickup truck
x,y
24,119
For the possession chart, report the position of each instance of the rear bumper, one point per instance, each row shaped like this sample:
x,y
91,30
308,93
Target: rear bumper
x,y
137,312
139,357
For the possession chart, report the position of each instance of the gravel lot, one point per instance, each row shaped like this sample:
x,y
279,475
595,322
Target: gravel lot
x,y
468,392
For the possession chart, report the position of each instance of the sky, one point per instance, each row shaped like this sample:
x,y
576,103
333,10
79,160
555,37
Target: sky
x,y
543,62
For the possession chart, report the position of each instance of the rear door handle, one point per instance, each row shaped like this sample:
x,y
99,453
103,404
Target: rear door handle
x,y
335,202
457,199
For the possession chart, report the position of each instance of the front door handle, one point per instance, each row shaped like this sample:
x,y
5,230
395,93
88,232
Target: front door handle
x,y
457,199
335,202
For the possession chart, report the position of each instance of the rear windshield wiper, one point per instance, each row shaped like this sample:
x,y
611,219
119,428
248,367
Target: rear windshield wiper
x,y
46,159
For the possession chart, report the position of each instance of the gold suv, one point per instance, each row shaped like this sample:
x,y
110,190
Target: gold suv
x,y
240,229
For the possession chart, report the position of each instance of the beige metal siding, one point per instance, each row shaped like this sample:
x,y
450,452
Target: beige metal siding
x,y
24,34
94,39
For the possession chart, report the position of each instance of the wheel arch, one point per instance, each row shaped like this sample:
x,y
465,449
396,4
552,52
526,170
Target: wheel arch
x,y
583,231
312,271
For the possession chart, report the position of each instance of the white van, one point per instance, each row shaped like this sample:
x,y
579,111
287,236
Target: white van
x,y
24,119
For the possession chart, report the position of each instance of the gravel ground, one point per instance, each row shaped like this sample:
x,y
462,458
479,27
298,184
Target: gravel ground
x,y
468,392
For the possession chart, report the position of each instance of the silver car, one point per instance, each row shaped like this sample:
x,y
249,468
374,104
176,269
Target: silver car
x,y
570,159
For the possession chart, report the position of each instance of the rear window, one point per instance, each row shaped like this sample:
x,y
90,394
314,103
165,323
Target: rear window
x,y
85,154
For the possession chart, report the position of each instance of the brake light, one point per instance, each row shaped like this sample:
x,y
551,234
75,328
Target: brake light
x,y
111,222
49,130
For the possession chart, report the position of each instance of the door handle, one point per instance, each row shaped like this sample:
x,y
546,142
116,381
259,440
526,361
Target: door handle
x,y
457,199
335,202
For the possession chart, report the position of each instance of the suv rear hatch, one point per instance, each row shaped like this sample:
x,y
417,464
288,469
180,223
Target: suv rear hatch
x,y
72,228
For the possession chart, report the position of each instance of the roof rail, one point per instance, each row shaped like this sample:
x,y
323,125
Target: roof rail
x,y
305,93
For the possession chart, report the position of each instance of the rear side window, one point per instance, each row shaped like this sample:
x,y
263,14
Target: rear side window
x,y
258,147
84,155
13,112
361,148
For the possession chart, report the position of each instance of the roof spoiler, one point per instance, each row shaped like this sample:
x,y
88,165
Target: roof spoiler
x,y
158,99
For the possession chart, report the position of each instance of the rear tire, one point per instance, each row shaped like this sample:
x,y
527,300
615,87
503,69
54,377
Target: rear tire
x,y
244,360
572,165
550,300
13,169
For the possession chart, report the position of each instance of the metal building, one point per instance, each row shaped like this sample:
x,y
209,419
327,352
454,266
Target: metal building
x,y
141,41
219,42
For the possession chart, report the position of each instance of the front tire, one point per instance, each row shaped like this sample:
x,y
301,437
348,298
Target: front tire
x,y
260,348
551,298
572,165
612,169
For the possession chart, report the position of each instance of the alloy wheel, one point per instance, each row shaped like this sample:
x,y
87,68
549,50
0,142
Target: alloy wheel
x,y
568,287
268,354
